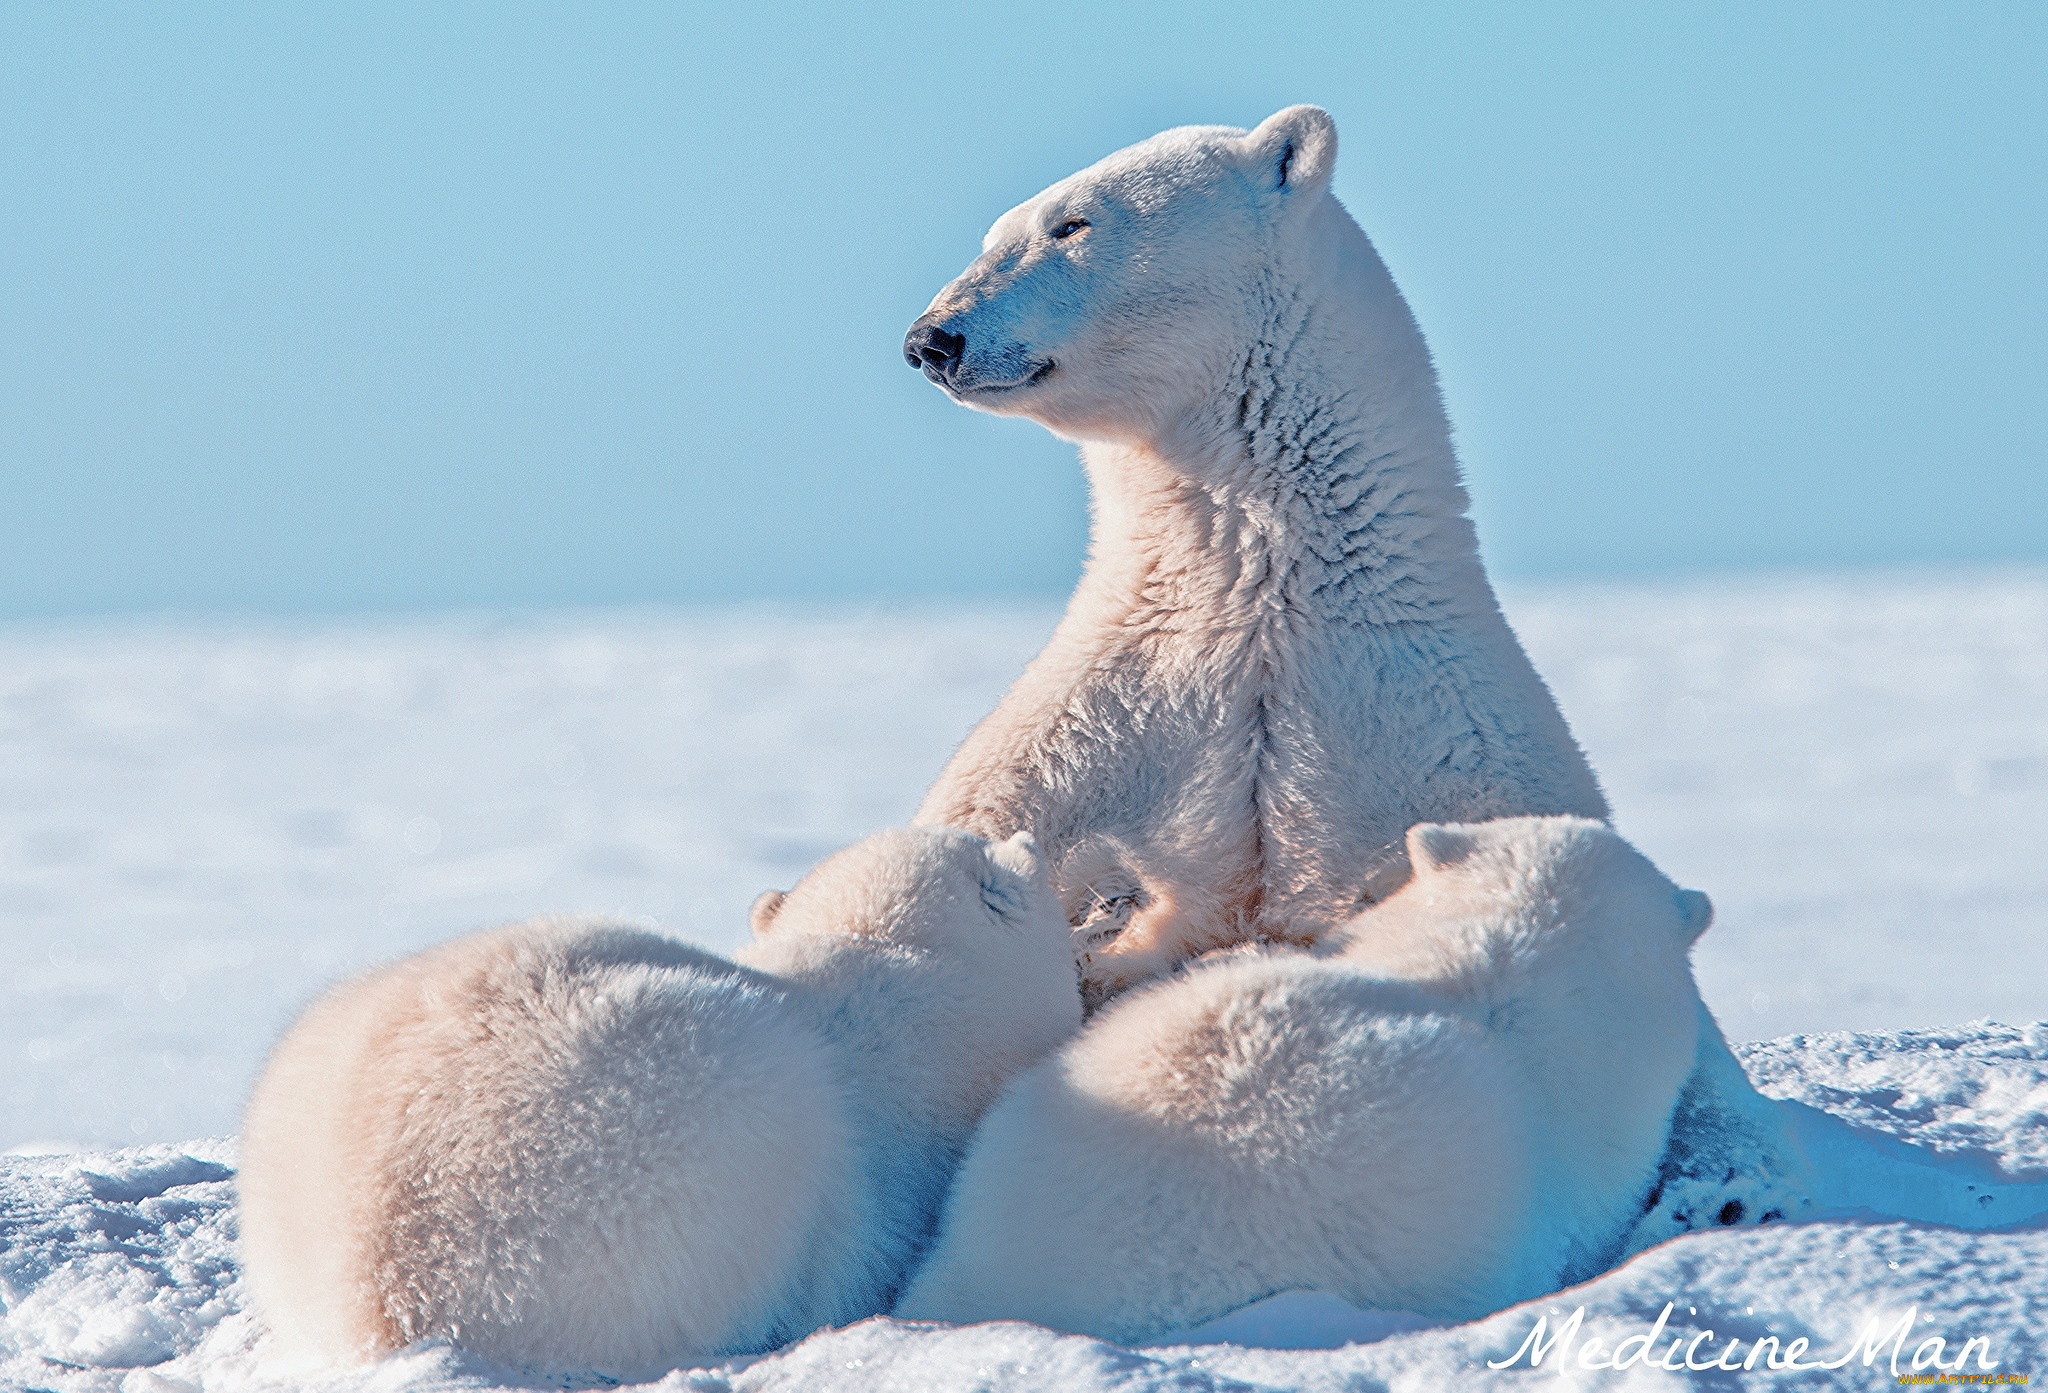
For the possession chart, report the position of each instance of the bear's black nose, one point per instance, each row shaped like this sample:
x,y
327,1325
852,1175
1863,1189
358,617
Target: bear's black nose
x,y
933,351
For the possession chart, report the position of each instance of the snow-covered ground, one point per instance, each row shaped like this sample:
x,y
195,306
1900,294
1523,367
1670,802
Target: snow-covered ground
x,y
117,1273
200,825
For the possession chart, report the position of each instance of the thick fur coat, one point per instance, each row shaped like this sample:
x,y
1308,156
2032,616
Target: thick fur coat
x,y
1430,1114
1284,651
582,1147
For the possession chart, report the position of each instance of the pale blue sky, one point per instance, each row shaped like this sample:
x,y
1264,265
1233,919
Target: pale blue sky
x,y
310,308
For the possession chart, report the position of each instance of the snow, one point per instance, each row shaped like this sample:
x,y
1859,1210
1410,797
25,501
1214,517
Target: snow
x,y
202,824
118,1270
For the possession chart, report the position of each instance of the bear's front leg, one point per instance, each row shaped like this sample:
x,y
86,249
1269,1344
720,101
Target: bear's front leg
x,y
1731,1157
1164,929
1130,941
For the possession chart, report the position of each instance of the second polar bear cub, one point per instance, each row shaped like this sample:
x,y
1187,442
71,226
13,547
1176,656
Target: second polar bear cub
x,y
1459,1106
581,1147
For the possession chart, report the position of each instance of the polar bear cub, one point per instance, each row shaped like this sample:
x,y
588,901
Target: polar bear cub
x,y
577,1146
1459,1106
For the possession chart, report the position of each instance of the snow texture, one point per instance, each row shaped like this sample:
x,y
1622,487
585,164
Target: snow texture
x,y
118,1275
201,825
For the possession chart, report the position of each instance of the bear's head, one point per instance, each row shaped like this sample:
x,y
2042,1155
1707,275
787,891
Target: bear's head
x,y
1555,926
971,918
1105,305
919,887
950,953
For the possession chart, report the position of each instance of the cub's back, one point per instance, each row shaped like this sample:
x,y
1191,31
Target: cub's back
x,y
504,1139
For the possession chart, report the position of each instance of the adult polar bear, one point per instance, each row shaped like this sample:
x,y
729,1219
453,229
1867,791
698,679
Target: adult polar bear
x,y
1284,651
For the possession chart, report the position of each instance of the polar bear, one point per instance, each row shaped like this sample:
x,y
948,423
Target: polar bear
x,y
1284,651
578,1146
1428,1114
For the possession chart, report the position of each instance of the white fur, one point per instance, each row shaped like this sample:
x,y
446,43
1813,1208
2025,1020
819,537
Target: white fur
x,y
1459,1103
1284,652
583,1147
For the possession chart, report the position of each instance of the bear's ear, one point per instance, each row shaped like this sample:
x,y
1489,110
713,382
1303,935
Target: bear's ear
x,y
766,906
1435,845
1294,152
1014,867
1695,913
1019,852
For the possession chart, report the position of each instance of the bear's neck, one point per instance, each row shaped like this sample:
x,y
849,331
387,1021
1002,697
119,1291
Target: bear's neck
x,y
1313,479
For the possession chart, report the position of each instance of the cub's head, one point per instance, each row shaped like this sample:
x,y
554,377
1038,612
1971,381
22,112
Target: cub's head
x,y
921,888
953,946
1549,908
1100,306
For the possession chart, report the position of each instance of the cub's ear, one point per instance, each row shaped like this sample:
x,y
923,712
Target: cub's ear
x,y
767,905
1019,853
1434,845
1014,868
1695,913
1296,152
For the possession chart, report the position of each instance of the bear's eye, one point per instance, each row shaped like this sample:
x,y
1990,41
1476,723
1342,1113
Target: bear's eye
x,y
1069,227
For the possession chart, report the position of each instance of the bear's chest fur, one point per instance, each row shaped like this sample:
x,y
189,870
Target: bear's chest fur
x,y
1200,781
